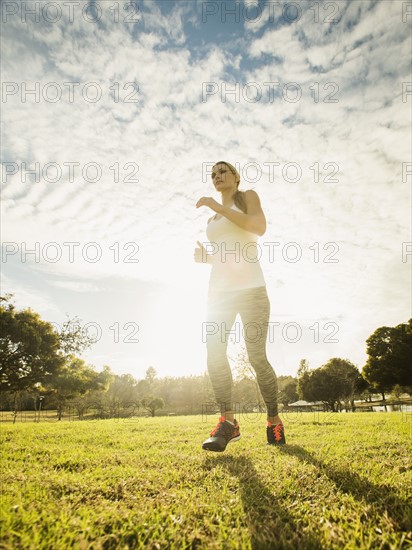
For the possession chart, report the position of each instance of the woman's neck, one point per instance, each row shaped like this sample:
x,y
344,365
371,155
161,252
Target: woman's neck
x,y
228,200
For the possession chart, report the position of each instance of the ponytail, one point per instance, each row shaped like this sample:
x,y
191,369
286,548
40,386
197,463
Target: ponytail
x,y
239,200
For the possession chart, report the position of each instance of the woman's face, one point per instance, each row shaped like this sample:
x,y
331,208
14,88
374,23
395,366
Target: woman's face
x,y
223,178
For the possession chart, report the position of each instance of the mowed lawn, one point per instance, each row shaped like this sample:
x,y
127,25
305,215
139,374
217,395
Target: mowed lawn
x,y
342,481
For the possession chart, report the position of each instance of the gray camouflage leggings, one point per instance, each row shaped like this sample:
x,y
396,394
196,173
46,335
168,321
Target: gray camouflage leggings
x,y
254,308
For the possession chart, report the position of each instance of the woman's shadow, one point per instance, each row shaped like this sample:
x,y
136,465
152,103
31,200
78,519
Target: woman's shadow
x,y
270,525
382,497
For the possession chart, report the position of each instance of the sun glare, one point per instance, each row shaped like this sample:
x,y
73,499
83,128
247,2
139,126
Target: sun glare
x,y
176,330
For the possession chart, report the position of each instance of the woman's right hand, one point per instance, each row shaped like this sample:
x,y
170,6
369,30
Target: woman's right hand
x,y
200,254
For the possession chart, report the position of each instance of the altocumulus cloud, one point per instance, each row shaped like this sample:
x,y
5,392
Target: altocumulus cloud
x,y
170,128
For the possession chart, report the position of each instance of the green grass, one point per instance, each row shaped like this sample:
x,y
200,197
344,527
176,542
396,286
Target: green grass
x,y
342,481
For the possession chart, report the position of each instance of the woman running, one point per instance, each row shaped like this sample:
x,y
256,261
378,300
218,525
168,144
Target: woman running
x,y
236,285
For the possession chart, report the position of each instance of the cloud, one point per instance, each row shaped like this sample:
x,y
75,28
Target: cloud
x,y
152,132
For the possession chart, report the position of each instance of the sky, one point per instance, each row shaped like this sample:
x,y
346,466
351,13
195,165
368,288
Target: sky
x,y
113,114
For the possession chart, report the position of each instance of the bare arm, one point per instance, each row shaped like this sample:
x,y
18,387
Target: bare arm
x,y
254,221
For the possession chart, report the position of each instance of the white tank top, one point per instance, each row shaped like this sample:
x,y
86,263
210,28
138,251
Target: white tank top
x,y
235,256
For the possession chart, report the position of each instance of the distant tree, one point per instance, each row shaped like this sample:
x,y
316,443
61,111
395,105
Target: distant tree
x,y
76,379
152,403
397,391
244,370
303,367
319,385
142,387
122,393
241,365
190,393
183,394
389,360
245,395
348,379
93,394
303,375
150,375
288,392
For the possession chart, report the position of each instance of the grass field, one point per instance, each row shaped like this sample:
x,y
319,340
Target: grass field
x,y
342,481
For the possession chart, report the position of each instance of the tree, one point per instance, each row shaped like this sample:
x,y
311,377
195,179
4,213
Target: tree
x,y
150,375
303,378
319,385
122,392
288,392
76,379
389,360
142,388
29,349
303,367
397,391
152,403
347,378
338,379
73,338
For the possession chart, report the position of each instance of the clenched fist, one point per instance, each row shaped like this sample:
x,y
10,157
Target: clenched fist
x,y
210,202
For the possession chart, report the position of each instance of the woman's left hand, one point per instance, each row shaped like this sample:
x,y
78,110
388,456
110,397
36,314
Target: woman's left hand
x,y
210,202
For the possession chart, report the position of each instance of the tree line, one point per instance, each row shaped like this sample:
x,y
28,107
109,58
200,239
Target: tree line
x,y
41,368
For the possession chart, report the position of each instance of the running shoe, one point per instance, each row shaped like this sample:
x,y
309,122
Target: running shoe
x,y
275,434
224,433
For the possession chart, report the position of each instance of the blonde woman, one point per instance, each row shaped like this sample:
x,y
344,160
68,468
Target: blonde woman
x,y
236,285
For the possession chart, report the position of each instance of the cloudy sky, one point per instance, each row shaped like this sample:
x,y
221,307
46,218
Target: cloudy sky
x,y
113,114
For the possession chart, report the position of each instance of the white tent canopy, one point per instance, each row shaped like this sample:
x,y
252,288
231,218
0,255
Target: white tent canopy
x,y
302,403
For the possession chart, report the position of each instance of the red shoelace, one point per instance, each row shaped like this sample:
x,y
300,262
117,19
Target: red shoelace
x,y
221,421
277,431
